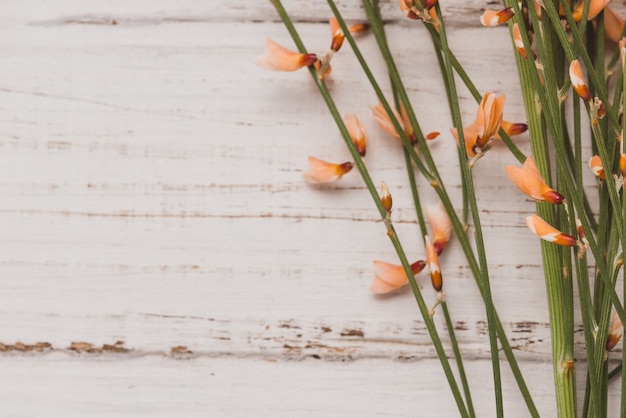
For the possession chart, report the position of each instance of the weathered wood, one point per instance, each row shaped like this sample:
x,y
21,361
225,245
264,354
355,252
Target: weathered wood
x,y
111,385
153,200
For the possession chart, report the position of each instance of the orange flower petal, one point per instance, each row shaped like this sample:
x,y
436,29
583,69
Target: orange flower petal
x,y
548,233
433,265
513,129
517,38
470,134
279,58
336,33
496,17
489,117
595,7
357,133
578,80
529,181
384,121
595,165
324,172
441,226
390,277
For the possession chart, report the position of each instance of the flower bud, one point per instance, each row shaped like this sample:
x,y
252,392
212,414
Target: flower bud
x,y
578,81
595,165
385,198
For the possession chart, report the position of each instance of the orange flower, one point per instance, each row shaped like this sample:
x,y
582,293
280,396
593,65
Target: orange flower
x,y
337,34
529,181
390,277
441,226
595,7
595,165
519,42
496,17
353,124
513,129
485,127
409,9
613,25
470,133
616,330
489,117
433,265
384,121
578,81
548,233
324,172
279,58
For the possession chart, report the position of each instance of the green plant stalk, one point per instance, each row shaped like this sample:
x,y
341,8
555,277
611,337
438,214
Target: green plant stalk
x,y
517,153
561,160
478,236
430,325
563,363
604,318
458,227
444,306
460,151
586,304
459,359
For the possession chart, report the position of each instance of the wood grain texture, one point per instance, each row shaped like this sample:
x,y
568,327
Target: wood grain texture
x,y
152,195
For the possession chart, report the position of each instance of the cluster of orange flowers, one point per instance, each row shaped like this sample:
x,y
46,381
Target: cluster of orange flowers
x,y
478,136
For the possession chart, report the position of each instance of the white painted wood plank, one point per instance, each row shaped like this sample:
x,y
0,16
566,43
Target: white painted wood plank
x,y
151,190
144,182
152,386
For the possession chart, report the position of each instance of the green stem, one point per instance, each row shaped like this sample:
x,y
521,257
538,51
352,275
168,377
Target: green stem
x,y
459,359
478,235
424,310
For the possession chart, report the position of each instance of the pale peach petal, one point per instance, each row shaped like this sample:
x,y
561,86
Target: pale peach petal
x,y
324,172
380,287
390,277
356,131
390,273
440,224
383,120
529,181
279,58
489,117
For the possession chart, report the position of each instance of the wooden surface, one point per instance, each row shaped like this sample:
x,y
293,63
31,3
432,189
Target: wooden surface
x,y
161,254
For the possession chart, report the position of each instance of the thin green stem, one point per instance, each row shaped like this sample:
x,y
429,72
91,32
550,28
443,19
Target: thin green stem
x,y
424,310
478,234
459,359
